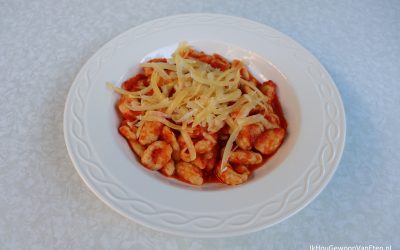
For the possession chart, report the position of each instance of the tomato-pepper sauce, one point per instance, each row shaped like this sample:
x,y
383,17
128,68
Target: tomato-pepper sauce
x,y
140,80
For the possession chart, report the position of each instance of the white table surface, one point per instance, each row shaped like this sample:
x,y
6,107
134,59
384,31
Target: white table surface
x,y
45,205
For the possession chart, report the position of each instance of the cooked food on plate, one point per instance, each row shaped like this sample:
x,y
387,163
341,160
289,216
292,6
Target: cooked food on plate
x,y
200,118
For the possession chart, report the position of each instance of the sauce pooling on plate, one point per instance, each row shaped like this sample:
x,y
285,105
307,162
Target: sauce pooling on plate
x,y
200,118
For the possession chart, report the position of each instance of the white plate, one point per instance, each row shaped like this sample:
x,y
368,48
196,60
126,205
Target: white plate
x,y
288,181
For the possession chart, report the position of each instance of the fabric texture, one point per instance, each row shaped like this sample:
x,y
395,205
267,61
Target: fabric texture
x,y
45,205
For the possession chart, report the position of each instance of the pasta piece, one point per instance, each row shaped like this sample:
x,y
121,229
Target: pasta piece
x,y
156,155
269,141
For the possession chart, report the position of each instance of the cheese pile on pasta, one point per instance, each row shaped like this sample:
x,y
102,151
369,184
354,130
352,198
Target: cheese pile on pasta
x,y
192,89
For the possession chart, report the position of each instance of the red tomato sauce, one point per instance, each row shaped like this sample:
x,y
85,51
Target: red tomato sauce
x,y
138,81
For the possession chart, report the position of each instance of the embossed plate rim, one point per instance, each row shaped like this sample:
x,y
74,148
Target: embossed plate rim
x,y
74,100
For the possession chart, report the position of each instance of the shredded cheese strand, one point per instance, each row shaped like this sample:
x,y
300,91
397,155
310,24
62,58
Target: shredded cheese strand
x,y
189,142
163,121
203,96
228,147
133,94
163,104
177,100
159,65
155,78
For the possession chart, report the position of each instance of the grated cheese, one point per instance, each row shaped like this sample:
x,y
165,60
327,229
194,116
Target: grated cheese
x,y
203,96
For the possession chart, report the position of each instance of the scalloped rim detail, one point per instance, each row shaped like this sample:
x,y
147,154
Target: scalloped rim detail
x,y
205,225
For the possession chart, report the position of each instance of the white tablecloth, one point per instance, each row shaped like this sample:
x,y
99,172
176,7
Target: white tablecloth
x,y
45,205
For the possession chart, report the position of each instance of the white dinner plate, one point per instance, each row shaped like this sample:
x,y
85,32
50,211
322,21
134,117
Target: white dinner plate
x,y
294,176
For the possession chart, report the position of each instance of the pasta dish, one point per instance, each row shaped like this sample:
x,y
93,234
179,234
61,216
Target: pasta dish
x,y
200,118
